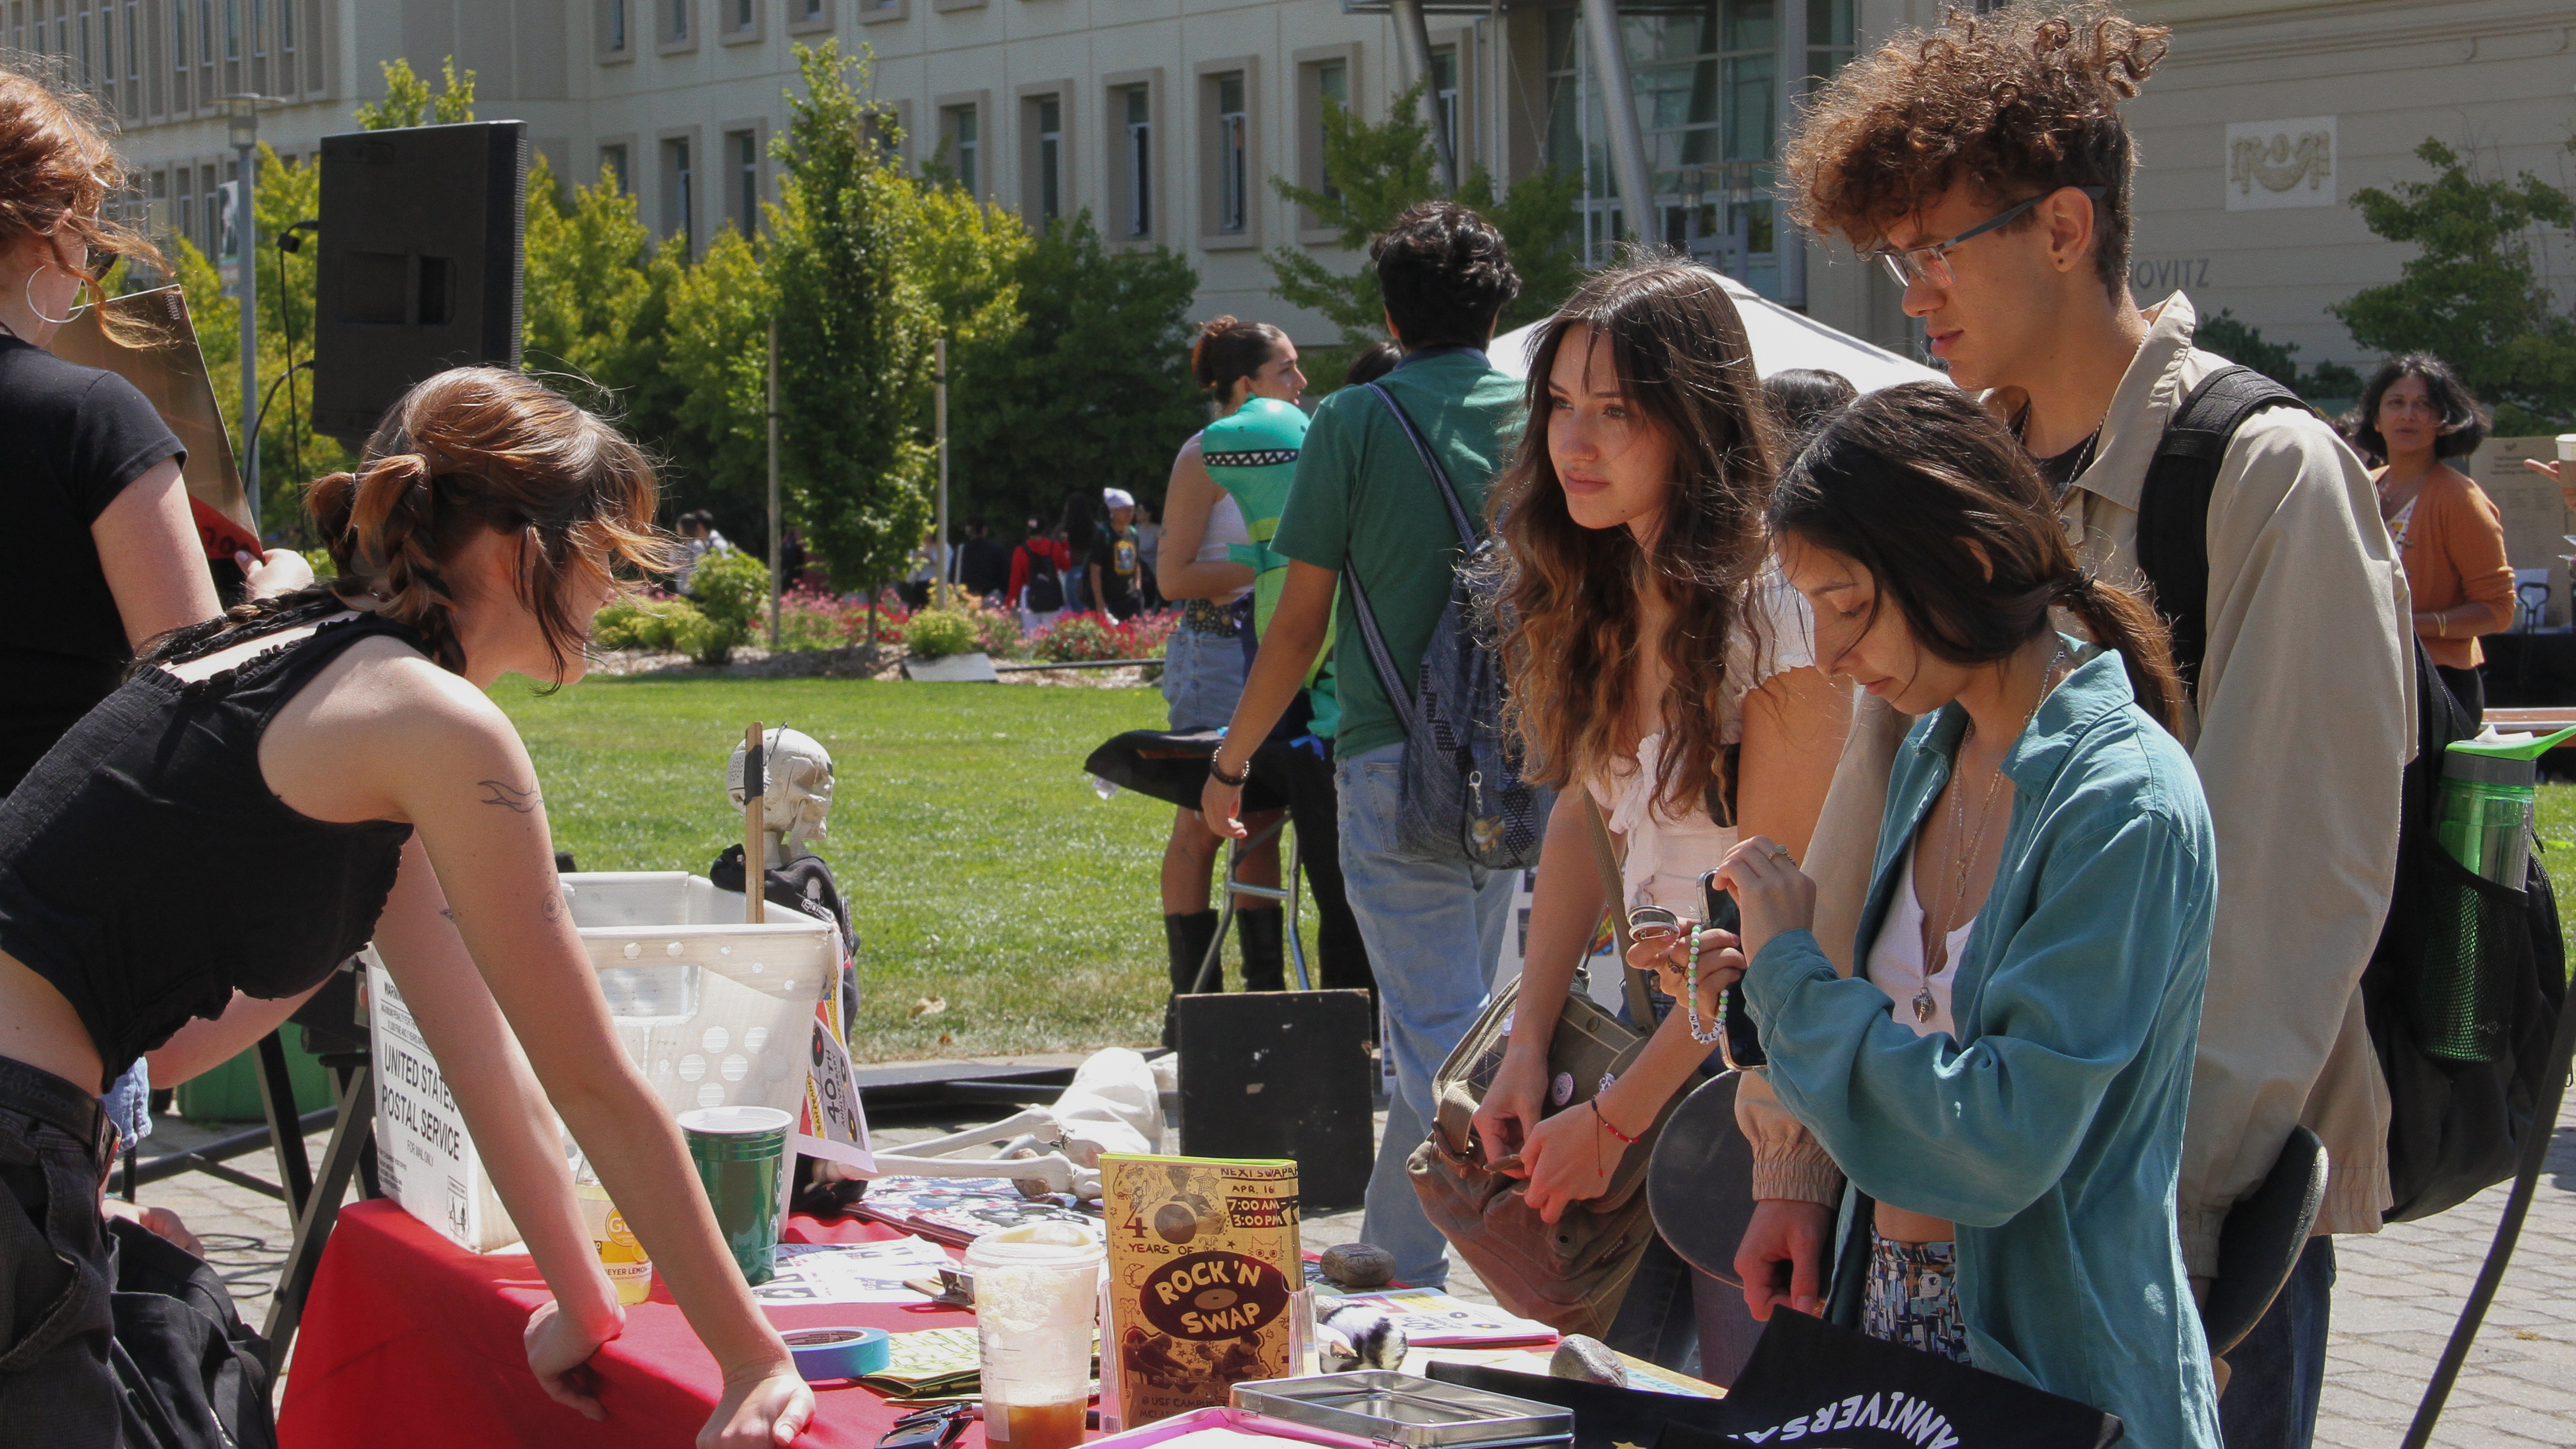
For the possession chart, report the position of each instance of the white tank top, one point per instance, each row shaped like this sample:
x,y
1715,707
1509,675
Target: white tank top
x,y
1895,963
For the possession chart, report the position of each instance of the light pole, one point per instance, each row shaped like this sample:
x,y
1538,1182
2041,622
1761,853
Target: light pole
x,y
939,405
244,130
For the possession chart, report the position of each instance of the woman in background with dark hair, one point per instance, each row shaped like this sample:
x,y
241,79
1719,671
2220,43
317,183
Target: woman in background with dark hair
x,y
2416,414
1803,400
1371,363
2004,1079
1249,369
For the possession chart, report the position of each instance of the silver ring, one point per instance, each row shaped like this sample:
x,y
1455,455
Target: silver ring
x,y
1781,852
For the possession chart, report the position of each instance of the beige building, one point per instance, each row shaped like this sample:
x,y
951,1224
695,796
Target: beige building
x,y
1166,118
2271,114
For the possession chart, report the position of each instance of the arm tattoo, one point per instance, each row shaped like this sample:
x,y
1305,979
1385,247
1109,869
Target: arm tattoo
x,y
554,905
449,912
509,797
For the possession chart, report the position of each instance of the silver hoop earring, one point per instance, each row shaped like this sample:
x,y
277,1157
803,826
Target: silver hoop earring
x,y
75,312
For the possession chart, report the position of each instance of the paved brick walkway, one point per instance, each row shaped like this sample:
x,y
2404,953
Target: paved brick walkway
x,y
2395,1301
2398,1293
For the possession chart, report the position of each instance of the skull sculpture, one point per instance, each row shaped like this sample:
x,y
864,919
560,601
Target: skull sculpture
x,y
799,793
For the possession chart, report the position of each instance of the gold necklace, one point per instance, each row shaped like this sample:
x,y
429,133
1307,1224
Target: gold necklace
x,y
1936,947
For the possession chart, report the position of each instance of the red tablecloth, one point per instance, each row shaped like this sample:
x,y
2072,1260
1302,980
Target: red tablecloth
x,y
408,1339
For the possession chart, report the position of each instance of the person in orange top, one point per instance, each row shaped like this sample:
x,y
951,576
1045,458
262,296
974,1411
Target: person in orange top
x,y
2416,414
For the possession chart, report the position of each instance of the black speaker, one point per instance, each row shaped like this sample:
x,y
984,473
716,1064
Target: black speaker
x,y
1281,1074
421,266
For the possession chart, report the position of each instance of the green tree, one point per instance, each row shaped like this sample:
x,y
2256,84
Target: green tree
x,y
408,101
2243,342
595,304
1095,379
291,453
716,364
855,326
2471,294
1378,171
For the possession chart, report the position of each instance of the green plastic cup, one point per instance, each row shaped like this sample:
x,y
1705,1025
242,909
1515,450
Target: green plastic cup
x,y
739,1152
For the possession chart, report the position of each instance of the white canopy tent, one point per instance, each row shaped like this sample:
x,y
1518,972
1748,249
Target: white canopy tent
x,y
1781,339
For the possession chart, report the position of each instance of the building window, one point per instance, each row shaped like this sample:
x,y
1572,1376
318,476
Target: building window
x,y
1833,31
613,170
1136,156
1324,87
1444,99
679,196
1050,132
1233,156
958,136
179,62
1707,84
745,149
612,26
808,10
675,22
742,14
232,29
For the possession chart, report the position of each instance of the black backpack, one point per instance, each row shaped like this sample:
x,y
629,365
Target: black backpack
x,y
2455,1128
1046,587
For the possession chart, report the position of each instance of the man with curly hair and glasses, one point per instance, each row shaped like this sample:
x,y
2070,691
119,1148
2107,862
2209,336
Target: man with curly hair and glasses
x,y
1985,164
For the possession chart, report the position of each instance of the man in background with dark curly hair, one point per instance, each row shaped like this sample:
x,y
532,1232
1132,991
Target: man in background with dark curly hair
x,y
1362,501
1986,165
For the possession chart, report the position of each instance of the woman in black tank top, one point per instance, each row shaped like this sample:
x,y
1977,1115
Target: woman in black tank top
x,y
317,771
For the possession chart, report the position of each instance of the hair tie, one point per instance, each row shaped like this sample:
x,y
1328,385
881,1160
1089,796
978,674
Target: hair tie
x,y
2081,586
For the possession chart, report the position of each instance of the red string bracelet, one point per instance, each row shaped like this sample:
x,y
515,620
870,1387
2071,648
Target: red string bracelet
x,y
1597,1116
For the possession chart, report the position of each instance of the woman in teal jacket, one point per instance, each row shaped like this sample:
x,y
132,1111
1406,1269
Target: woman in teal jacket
x,y
2004,1078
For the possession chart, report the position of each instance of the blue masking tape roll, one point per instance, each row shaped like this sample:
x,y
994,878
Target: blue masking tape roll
x,y
823,1354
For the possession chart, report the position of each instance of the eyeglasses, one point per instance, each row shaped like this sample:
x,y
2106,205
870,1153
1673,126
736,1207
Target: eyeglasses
x,y
1931,263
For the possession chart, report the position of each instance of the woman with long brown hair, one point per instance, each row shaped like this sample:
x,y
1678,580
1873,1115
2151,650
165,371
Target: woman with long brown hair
x,y
311,772
1654,663
2004,1079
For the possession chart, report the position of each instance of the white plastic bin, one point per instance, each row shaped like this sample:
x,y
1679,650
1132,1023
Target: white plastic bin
x,y
714,1011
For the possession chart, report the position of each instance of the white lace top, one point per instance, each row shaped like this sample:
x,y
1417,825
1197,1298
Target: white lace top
x,y
1667,854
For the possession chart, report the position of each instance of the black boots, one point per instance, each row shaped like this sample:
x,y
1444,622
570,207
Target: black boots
x,y
1187,937
1264,967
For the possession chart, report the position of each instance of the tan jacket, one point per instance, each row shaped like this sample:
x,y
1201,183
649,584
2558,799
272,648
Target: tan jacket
x,y
2304,719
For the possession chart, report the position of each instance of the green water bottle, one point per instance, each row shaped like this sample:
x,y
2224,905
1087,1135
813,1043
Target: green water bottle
x,y
2482,816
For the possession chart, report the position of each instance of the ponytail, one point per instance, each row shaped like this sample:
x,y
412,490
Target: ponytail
x,y
469,449
1228,350
2119,619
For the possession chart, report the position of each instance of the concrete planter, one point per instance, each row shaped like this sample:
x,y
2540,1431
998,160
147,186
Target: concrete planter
x,y
976,668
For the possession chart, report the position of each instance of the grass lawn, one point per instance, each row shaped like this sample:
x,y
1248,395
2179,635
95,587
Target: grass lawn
x,y
978,865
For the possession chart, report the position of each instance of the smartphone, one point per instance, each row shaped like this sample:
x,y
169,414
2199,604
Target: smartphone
x,y
1739,1045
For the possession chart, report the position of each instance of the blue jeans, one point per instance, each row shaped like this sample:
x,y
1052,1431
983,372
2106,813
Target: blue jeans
x,y
1434,931
2276,1374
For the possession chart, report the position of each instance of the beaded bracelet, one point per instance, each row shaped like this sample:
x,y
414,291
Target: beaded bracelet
x,y
1605,1123
1690,996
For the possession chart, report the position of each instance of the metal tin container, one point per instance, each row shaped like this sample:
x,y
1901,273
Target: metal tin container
x,y
1402,1409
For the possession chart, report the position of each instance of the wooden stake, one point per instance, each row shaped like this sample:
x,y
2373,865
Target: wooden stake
x,y
755,821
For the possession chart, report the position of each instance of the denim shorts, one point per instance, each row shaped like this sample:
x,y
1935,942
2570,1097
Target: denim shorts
x,y
56,1388
1202,679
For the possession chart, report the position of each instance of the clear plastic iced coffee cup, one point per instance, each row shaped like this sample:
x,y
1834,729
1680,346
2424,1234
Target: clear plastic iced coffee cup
x,y
1037,1300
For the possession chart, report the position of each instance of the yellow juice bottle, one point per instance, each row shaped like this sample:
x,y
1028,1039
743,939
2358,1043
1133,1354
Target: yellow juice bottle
x,y
629,1271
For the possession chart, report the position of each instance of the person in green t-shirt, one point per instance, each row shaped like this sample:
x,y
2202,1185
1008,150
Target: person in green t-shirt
x,y
1361,502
